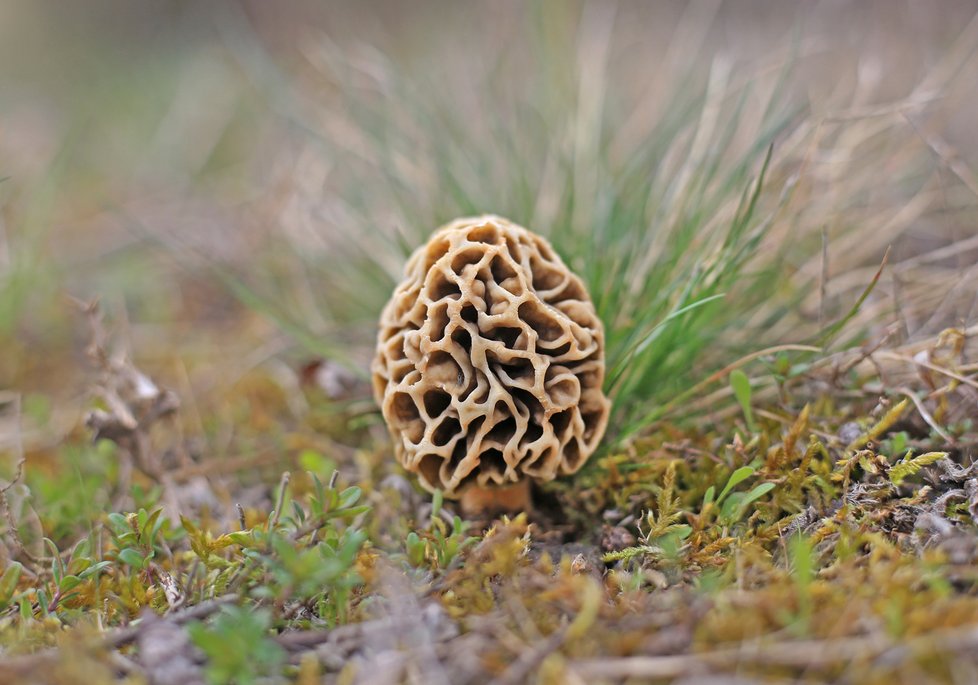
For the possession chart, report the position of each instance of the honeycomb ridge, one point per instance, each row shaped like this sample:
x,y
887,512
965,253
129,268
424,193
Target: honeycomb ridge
x,y
490,360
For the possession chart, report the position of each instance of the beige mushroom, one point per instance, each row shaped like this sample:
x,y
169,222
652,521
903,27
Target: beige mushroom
x,y
489,365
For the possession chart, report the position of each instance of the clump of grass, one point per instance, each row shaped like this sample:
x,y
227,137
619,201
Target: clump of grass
x,y
680,207
665,225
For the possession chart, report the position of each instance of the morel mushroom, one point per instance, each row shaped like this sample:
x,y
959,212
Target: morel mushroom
x,y
489,365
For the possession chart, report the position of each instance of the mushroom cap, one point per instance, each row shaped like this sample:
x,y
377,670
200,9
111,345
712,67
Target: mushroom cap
x,y
490,360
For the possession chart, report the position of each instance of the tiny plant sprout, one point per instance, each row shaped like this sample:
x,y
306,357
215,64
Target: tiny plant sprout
x,y
489,365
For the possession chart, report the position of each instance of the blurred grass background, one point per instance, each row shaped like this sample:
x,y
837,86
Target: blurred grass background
x,y
240,181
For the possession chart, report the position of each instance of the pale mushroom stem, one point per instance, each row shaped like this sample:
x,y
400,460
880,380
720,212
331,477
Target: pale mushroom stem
x,y
476,500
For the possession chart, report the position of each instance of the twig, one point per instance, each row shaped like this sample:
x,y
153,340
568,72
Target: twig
x,y
520,670
18,474
118,637
867,353
928,365
18,447
280,503
311,527
801,654
925,415
952,158
124,636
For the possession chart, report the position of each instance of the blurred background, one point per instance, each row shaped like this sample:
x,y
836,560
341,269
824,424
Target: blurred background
x,y
239,182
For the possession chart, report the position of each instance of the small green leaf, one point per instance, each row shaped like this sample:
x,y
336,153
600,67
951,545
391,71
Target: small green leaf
x,y
298,512
729,507
350,496
708,496
82,549
741,389
57,566
241,537
737,477
42,601
69,583
898,442
93,569
351,512
320,497
131,557
738,503
415,549
8,582
757,492
151,526
119,523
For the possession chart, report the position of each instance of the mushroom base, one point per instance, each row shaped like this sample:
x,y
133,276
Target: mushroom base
x,y
476,500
